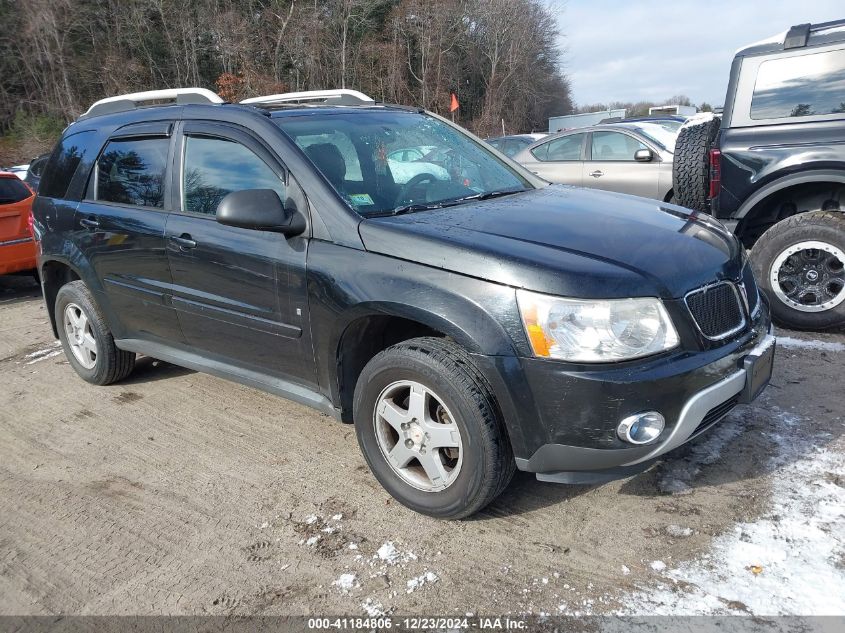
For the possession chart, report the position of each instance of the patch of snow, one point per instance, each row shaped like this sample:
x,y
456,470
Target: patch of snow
x,y
788,562
264,526
346,582
698,119
337,517
353,546
329,529
43,354
311,518
774,39
677,531
415,583
388,553
312,541
675,476
797,343
373,608
658,565
391,555
625,570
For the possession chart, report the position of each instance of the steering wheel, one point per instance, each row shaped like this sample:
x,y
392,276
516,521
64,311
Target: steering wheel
x,y
408,187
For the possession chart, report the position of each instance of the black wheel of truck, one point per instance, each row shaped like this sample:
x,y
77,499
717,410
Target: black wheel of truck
x,y
691,165
430,430
86,339
800,264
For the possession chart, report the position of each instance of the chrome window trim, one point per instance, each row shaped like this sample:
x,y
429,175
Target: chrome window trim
x,y
739,302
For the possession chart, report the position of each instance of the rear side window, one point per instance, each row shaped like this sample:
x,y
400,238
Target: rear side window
x,y
13,190
215,167
804,85
131,171
563,148
64,162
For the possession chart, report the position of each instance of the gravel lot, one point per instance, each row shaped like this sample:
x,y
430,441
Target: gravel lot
x,y
179,493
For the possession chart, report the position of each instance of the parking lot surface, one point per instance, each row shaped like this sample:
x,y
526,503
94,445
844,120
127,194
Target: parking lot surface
x,y
175,492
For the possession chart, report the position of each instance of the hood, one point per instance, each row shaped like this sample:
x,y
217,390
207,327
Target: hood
x,y
566,241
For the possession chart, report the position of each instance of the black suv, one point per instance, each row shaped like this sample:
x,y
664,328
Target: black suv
x,y
468,317
774,169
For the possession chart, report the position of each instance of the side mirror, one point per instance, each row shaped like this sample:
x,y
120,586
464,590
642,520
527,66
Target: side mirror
x,y
259,209
643,156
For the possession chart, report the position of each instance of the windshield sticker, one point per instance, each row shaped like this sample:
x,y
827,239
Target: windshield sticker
x,y
360,199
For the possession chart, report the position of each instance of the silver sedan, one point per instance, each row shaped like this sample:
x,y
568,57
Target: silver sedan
x,y
633,158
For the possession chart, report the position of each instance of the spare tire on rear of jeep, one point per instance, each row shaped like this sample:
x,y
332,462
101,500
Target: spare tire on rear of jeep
x,y
691,165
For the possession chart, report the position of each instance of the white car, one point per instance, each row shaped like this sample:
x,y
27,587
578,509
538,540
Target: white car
x,y
405,164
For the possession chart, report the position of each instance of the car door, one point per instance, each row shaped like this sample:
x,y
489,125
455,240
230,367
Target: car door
x,y
560,159
119,227
239,293
611,165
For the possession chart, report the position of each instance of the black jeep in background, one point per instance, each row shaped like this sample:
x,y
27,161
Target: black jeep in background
x,y
773,169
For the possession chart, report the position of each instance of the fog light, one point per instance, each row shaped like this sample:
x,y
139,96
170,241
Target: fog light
x,y
641,428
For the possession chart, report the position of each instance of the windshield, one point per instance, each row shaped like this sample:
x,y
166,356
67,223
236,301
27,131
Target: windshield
x,y
664,133
388,162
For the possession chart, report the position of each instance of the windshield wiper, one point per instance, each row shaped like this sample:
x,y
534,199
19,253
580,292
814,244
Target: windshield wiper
x,y
487,195
420,206
410,208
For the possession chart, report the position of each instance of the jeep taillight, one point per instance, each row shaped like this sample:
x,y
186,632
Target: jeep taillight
x,y
715,172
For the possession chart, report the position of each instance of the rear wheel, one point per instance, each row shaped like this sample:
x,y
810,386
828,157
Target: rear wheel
x,y
429,428
86,339
800,264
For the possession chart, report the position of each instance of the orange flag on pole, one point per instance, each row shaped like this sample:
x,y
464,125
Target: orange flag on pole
x,y
454,105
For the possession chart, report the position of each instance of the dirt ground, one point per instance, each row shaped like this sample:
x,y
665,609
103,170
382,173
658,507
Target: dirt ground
x,y
175,492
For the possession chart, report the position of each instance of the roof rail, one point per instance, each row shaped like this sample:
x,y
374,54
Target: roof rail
x,y
342,97
823,26
123,103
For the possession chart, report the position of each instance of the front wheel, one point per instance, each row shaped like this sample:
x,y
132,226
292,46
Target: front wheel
x,y
430,430
800,264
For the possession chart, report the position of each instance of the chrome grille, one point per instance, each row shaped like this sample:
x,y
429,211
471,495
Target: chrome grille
x,y
717,310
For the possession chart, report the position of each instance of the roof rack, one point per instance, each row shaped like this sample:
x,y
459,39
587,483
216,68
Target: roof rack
x,y
123,103
797,36
342,97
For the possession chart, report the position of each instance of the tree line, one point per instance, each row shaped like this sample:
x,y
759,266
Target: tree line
x,y
500,57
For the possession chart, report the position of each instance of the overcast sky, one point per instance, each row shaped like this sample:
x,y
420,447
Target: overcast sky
x,y
628,50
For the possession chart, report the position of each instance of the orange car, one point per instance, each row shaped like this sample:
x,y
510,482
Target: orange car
x,y
17,246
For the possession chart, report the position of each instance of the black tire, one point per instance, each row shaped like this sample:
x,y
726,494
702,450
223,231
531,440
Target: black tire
x,y
111,364
446,369
691,165
820,226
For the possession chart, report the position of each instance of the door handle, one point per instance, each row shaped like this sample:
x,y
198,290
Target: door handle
x,y
597,174
90,223
184,242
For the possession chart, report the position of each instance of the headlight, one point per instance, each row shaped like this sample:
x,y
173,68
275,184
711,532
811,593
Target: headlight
x,y
603,330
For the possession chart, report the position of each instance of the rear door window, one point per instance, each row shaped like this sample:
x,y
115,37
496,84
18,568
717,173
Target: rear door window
x,y
131,171
560,149
800,86
13,190
64,162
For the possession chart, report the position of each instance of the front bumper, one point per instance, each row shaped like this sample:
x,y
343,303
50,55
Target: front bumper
x,y
584,411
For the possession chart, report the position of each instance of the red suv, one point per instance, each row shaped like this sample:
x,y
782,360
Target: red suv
x,y
17,247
